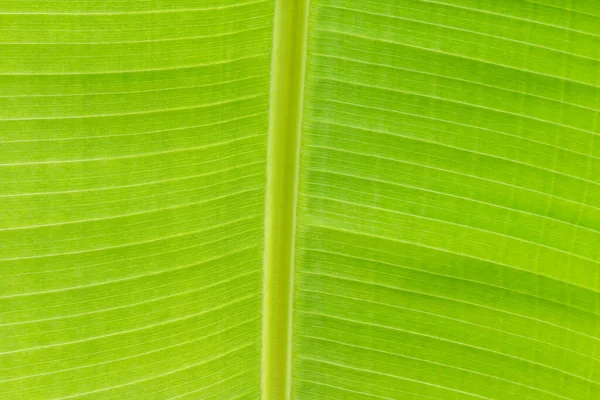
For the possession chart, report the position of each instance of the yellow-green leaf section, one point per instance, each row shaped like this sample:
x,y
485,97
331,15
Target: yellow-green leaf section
x,y
449,212
341,199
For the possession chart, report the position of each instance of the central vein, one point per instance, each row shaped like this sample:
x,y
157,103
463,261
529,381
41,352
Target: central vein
x,y
287,92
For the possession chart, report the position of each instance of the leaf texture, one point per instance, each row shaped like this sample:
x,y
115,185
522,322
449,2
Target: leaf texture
x,y
448,223
448,233
133,139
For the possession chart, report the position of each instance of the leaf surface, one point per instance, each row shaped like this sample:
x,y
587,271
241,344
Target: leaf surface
x,y
196,199
448,235
133,182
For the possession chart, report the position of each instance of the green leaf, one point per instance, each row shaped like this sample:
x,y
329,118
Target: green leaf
x,y
133,186
347,199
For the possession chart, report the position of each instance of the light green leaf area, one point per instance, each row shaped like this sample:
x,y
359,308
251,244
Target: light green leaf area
x,y
133,181
447,228
449,223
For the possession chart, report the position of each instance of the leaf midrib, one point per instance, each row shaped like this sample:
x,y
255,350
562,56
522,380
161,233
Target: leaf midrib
x,y
287,92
